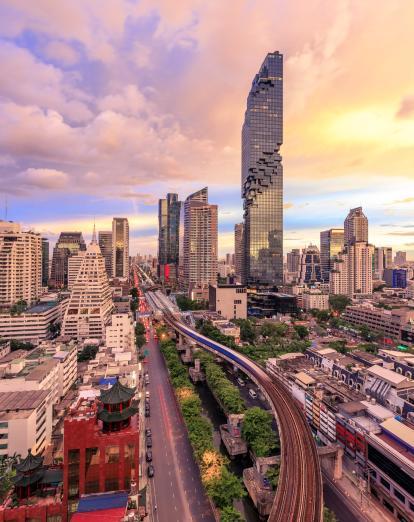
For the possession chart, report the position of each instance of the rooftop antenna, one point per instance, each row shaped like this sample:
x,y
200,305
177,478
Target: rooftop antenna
x,y
94,232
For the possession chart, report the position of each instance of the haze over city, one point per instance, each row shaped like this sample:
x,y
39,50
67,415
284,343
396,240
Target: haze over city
x,y
104,110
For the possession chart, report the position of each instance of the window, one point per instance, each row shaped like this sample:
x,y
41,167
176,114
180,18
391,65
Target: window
x,y
388,505
73,473
4,425
399,495
385,483
3,446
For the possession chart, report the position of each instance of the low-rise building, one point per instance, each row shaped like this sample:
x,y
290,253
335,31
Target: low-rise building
x,y
271,304
227,328
25,421
120,333
230,301
315,299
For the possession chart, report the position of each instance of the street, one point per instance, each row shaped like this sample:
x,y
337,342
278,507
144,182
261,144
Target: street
x,y
176,488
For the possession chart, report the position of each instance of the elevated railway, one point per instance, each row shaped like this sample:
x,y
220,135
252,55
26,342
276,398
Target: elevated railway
x,y
299,496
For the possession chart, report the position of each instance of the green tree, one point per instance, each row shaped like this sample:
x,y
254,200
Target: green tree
x,y
18,307
139,328
323,316
224,490
229,514
328,515
273,475
20,345
257,432
301,331
88,353
339,302
134,292
140,341
339,346
247,330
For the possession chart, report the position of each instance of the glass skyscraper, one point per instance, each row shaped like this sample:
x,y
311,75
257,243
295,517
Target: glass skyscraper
x,y
262,176
168,237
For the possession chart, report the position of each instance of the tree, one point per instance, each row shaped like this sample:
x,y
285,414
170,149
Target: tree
x,y
139,328
229,514
54,329
88,353
339,346
301,330
339,302
20,345
257,432
272,475
18,307
328,515
247,331
223,490
322,316
134,292
140,341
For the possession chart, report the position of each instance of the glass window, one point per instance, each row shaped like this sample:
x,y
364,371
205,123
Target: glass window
x,y
399,495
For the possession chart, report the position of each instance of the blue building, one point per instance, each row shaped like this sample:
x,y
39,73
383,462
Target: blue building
x,y
395,277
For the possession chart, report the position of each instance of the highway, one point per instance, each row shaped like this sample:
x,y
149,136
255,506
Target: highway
x,y
299,496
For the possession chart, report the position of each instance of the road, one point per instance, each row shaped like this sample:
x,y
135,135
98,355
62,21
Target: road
x,y
176,488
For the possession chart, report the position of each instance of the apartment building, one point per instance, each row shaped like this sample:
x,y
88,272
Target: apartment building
x,y
389,322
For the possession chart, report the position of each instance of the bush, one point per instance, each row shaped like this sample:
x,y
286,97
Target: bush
x,y
257,432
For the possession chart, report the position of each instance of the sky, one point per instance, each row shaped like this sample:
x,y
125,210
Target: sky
x,y
107,105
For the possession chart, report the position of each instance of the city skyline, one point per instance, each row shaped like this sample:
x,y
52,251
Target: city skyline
x,y
107,87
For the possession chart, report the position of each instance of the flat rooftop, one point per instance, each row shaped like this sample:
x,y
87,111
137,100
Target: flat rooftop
x,y
41,308
22,400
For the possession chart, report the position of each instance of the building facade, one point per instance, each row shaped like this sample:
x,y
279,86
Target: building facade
x,y
331,245
20,265
352,272
45,261
293,261
355,227
310,270
230,301
68,244
239,250
389,322
105,244
168,238
400,258
382,260
262,176
395,277
200,242
120,247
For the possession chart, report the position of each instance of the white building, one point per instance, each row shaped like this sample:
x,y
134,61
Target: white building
x,y
120,248
315,299
21,264
120,334
25,422
90,303
230,301
74,264
352,271
32,324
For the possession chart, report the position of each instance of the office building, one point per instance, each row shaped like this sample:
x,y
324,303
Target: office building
x,y
21,265
168,238
310,271
68,244
25,422
200,242
45,261
331,243
120,247
293,261
382,260
271,304
238,250
396,277
262,176
400,258
230,301
105,244
90,304
355,227
101,456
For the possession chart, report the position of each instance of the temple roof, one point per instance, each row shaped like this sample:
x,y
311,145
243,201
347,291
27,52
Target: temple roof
x,y
30,463
26,480
117,416
117,393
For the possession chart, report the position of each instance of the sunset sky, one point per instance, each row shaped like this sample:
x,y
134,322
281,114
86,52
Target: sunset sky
x,y
106,105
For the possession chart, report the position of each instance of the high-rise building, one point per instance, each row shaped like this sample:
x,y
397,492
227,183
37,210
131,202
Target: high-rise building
x,y
400,258
238,250
262,176
68,244
120,248
355,227
168,237
310,271
20,265
332,243
45,261
396,277
90,304
382,260
200,242
74,265
105,244
352,271
293,261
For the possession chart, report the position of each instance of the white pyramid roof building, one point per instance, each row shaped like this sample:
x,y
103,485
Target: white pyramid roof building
x,y
90,305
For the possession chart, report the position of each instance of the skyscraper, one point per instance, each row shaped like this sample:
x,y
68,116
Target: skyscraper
x,y
238,250
68,244
400,258
262,175
382,260
120,247
45,261
90,303
293,260
355,227
20,265
310,266
200,242
168,237
332,243
105,244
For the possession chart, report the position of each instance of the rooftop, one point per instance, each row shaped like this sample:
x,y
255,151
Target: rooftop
x,y
41,307
387,375
22,400
401,432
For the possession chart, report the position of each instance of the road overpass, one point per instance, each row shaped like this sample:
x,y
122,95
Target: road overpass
x,y
299,496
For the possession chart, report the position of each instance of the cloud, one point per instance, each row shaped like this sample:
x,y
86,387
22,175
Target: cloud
x,y
405,200
45,179
406,109
61,52
400,233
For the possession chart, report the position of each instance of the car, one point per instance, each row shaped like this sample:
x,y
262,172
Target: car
x,y
147,412
147,394
252,394
148,456
150,471
148,432
149,442
240,381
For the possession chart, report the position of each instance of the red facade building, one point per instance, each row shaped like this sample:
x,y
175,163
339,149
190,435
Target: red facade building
x,y
101,445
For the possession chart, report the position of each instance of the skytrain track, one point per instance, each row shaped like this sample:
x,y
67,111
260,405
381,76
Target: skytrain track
x,y
299,496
